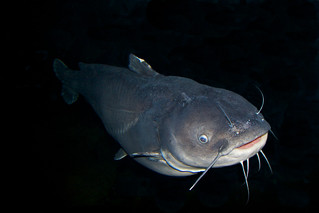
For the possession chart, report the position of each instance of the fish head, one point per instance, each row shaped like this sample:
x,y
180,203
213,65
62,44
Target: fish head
x,y
220,123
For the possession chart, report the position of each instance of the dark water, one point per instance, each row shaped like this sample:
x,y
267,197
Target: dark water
x,y
63,158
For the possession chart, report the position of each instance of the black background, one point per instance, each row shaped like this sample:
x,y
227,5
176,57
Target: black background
x,y
63,157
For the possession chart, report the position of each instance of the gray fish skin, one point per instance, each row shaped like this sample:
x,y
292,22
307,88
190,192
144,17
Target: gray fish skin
x,y
163,121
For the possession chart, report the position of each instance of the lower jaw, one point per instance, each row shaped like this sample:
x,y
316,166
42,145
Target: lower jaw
x,y
242,153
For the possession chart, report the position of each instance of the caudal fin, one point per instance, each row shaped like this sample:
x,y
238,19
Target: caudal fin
x,y
63,73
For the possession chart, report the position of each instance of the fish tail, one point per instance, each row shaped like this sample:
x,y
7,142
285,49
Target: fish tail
x,y
63,73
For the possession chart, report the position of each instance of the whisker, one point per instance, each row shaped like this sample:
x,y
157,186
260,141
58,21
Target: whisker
x,y
273,134
266,161
210,166
259,165
230,122
263,100
246,181
247,164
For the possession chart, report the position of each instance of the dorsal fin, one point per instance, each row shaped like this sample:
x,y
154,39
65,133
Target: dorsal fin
x,y
140,66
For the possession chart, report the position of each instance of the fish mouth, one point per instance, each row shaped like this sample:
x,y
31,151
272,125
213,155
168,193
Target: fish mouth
x,y
242,152
260,139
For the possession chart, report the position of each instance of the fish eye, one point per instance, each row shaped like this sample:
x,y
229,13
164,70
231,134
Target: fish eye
x,y
203,139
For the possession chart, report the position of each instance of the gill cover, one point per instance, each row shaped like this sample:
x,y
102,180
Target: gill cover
x,y
192,137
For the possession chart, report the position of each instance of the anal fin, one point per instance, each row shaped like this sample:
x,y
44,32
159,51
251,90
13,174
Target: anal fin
x,y
69,95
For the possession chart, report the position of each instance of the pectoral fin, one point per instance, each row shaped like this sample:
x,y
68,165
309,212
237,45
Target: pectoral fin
x,y
152,156
145,154
120,154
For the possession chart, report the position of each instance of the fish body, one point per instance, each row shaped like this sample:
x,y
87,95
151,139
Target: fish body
x,y
172,125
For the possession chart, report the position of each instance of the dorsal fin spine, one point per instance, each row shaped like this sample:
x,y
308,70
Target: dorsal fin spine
x,y
140,66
